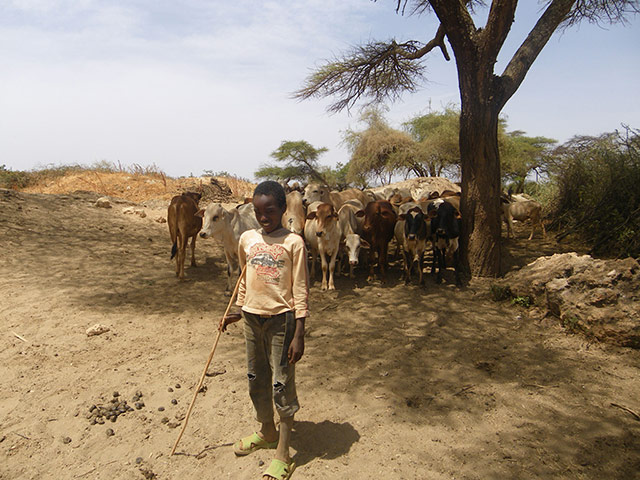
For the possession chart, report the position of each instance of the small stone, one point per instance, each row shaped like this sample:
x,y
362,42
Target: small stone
x,y
138,394
261,463
116,394
110,432
177,385
169,389
139,405
164,420
139,460
161,409
66,440
174,401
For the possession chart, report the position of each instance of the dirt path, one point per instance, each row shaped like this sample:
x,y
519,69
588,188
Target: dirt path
x,y
397,381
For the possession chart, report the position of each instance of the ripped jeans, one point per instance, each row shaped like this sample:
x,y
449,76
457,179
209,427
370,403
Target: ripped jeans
x,y
271,376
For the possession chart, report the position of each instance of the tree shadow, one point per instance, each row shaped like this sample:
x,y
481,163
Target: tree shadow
x,y
326,440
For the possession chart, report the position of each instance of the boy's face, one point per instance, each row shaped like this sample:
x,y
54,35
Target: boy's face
x,y
268,212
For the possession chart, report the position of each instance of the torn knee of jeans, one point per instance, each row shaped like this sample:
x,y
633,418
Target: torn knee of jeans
x,y
278,387
251,376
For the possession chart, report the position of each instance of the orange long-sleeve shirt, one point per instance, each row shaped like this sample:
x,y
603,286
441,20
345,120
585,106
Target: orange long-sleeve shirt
x,y
277,279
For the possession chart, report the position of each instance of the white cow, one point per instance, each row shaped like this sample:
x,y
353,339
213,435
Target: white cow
x,y
323,225
226,227
351,228
521,211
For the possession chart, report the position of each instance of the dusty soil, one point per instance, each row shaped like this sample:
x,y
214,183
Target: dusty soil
x,y
397,381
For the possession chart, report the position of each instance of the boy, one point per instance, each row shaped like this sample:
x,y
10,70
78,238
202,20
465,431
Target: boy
x,y
273,298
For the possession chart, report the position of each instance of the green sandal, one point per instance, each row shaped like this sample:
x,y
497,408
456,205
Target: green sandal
x,y
250,444
280,470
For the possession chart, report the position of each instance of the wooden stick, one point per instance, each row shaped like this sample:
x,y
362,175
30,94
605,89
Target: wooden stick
x,y
636,416
204,372
18,336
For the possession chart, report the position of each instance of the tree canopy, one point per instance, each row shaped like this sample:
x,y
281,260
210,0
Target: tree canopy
x,y
300,160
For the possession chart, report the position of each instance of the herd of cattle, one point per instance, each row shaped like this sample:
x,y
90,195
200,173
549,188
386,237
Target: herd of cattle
x,y
337,226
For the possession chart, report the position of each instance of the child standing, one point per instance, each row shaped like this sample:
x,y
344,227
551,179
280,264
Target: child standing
x,y
273,299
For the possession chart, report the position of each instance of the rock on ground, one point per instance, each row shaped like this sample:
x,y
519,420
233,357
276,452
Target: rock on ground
x,y
595,297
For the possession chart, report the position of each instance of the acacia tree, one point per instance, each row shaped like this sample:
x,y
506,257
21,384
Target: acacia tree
x,y
383,70
436,135
520,155
378,150
300,163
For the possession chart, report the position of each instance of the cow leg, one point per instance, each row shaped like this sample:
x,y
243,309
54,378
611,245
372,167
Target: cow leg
x,y
325,266
372,257
420,256
406,267
193,250
332,266
383,261
433,258
544,233
442,265
182,252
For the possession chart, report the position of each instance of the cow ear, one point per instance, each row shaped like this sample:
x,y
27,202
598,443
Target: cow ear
x,y
199,213
360,213
364,243
311,216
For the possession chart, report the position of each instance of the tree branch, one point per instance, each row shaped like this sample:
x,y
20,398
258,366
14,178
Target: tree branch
x,y
501,16
457,21
514,73
378,70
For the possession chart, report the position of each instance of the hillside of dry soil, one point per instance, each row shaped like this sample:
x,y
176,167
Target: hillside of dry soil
x,y
398,381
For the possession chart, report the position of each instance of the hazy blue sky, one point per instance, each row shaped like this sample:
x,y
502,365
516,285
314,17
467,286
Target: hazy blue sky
x,y
206,85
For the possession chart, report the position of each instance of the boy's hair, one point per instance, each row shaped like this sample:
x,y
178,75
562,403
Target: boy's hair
x,y
269,187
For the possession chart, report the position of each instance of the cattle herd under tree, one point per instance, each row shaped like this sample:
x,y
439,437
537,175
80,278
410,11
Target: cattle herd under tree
x,y
339,226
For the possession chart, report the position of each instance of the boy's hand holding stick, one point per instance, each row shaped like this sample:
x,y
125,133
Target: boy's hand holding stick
x,y
224,322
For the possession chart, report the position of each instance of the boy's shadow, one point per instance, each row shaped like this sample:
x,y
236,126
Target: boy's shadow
x,y
322,440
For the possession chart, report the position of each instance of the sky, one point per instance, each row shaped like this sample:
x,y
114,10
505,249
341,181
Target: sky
x,y
192,86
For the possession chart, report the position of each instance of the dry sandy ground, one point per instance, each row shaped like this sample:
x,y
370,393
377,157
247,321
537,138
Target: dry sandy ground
x,y
397,381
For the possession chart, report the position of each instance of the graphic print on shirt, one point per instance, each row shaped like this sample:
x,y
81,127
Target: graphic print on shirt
x,y
266,260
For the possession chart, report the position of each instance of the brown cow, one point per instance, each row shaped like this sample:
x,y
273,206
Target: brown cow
x,y
379,223
183,223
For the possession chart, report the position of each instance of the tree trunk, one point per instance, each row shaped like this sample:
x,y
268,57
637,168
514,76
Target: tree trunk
x,y
480,165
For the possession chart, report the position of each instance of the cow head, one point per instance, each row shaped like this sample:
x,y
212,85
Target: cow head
x,y
445,219
415,226
215,217
325,217
353,243
195,196
314,192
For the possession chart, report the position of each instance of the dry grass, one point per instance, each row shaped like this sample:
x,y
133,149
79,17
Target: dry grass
x,y
138,186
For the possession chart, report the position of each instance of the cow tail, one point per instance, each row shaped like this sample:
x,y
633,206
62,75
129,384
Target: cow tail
x,y
174,249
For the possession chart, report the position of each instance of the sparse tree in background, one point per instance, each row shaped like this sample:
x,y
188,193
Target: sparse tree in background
x,y
382,71
378,151
301,163
520,155
437,146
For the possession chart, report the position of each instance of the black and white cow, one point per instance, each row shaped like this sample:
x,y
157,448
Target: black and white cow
x,y
445,230
414,241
